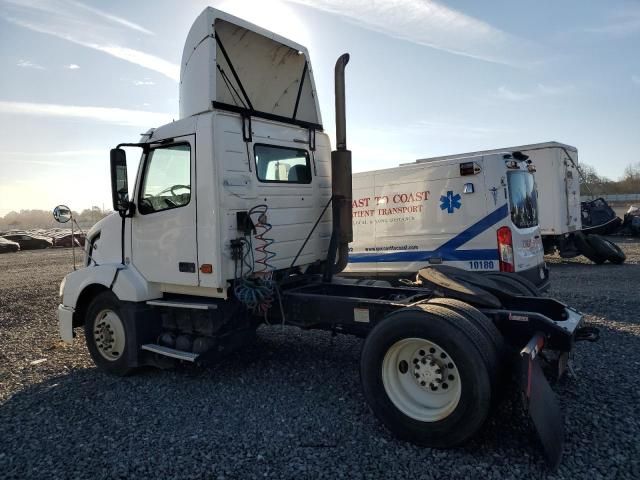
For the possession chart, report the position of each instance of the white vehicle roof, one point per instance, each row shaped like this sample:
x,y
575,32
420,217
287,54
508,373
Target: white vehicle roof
x,y
517,148
436,161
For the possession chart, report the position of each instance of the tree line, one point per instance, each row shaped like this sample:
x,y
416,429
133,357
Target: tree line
x,y
26,219
593,183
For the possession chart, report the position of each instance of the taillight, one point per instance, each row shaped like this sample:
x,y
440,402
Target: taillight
x,y
505,250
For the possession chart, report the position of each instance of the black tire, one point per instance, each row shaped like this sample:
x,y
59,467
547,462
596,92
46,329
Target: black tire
x,y
514,283
607,249
106,302
585,248
488,351
479,319
461,342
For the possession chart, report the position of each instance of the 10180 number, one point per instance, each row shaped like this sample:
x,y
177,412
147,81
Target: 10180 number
x,y
481,265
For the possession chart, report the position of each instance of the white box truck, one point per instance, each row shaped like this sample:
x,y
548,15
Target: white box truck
x,y
479,213
228,227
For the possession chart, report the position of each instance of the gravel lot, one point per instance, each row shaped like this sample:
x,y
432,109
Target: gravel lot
x,y
290,406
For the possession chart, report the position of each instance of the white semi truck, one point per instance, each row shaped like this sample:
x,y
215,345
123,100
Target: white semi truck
x,y
479,213
229,227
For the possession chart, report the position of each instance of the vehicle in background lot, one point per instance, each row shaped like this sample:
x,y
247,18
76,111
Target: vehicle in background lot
x,y
479,213
227,228
7,246
28,241
557,177
67,239
598,217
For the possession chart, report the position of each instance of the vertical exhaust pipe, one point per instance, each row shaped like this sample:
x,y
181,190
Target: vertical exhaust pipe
x,y
342,233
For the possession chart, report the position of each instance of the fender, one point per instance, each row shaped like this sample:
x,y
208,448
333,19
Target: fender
x,y
125,282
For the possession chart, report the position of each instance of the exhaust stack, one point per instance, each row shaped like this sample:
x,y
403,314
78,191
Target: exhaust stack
x,y
341,179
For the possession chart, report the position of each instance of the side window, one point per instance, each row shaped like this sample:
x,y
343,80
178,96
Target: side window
x,y
167,179
282,164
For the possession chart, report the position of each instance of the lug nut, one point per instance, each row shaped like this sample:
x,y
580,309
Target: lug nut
x,y
421,353
450,365
423,383
445,386
432,350
451,377
443,355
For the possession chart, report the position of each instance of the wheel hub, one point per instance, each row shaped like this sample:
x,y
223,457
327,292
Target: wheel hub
x,y
109,335
421,379
426,371
431,369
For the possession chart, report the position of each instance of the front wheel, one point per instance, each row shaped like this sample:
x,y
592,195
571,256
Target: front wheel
x,y
106,334
425,379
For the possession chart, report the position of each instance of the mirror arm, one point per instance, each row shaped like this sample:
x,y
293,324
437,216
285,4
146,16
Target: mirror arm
x,y
144,146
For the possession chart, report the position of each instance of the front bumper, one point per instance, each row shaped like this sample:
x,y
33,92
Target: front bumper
x,y
65,323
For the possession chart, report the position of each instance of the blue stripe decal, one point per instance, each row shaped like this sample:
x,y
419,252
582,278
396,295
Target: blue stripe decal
x,y
476,229
448,251
424,256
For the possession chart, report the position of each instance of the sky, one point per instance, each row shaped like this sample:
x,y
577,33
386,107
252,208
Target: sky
x,y
426,78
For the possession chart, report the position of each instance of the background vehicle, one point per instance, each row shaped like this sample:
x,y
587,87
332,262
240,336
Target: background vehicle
x,y
479,213
7,246
228,228
28,241
561,213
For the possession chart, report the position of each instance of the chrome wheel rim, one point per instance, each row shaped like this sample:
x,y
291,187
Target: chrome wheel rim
x,y
421,379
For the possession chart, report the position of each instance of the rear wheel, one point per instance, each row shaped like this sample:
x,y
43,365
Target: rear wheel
x,y
425,378
607,249
106,334
484,324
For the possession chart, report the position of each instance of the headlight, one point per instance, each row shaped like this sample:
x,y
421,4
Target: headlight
x,y
61,292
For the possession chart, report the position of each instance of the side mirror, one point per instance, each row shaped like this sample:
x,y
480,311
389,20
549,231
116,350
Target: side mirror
x,y
119,183
62,214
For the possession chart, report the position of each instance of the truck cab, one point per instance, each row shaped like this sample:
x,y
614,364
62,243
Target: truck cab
x,y
248,152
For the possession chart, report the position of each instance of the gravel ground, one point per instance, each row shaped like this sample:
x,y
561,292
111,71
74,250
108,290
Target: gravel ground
x,y
290,406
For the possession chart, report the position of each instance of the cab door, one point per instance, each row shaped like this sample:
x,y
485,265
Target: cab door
x,y
163,236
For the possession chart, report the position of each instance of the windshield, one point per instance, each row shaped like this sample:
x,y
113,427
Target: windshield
x,y
523,199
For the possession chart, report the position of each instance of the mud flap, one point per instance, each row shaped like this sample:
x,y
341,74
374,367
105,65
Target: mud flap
x,y
541,403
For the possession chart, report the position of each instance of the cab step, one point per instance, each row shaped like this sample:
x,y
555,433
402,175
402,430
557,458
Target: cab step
x,y
192,304
170,352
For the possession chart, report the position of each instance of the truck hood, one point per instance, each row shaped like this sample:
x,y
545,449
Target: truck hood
x,y
101,224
